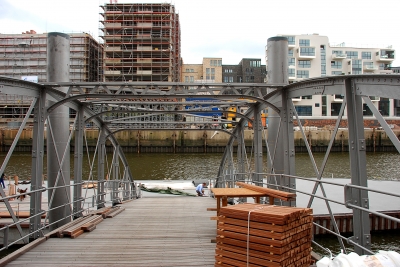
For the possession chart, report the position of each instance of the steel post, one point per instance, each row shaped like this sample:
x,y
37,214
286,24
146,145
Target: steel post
x,y
241,150
358,167
287,115
39,118
58,59
115,178
78,156
101,154
258,145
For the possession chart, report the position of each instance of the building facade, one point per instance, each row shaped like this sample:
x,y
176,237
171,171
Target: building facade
x,y
249,70
313,56
25,56
142,42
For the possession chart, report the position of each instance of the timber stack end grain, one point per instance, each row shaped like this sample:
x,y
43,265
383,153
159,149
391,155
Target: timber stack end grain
x,y
258,235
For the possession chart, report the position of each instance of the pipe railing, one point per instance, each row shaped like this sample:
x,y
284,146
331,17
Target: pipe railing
x,y
125,190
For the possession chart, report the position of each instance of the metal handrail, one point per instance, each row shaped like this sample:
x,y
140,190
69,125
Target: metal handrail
x,y
121,192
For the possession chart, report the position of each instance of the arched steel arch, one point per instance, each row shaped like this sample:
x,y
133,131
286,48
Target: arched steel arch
x,y
357,90
39,95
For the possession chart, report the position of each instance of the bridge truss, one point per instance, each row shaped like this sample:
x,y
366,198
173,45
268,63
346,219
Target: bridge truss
x,y
115,106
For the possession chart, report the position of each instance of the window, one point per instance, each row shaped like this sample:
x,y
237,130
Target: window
x,y
352,54
337,52
255,63
384,106
186,79
212,73
336,73
336,64
304,42
216,62
304,110
208,72
291,40
192,79
292,61
366,55
292,72
290,53
356,67
228,79
366,110
228,70
306,97
335,108
307,51
304,64
302,74
316,105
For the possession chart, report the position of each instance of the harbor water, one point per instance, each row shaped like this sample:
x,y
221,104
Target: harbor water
x,y
160,166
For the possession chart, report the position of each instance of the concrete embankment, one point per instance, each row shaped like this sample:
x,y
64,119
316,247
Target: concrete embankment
x,y
206,141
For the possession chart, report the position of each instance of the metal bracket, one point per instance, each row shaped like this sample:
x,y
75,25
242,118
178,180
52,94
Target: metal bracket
x,y
348,197
361,145
365,203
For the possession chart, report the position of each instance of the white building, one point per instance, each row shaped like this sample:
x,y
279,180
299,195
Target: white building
x,y
313,56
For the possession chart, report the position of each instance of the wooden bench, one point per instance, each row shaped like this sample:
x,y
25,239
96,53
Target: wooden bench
x,y
272,193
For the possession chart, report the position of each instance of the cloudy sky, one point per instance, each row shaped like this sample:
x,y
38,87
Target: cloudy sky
x,y
230,29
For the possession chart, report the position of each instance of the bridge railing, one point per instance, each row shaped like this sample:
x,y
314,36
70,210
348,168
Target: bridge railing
x,y
335,199
17,229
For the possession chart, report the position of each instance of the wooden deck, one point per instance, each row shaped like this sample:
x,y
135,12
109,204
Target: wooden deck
x,y
155,231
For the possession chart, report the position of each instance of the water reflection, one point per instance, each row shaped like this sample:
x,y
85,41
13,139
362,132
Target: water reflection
x,y
380,166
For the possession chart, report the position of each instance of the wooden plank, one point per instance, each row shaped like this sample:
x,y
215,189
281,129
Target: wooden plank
x,y
153,231
211,209
271,192
14,255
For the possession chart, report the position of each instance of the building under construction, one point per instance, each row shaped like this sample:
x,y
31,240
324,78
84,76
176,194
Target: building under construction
x,y
25,56
142,42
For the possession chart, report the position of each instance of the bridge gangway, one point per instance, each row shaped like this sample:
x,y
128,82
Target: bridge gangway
x,y
151,231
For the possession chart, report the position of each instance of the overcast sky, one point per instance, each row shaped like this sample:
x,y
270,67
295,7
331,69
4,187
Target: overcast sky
x,y
230,29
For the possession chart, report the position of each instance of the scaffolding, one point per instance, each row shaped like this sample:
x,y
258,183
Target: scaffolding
x,y
142,42
26,55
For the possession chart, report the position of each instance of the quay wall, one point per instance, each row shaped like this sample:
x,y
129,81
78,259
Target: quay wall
x,y
205,141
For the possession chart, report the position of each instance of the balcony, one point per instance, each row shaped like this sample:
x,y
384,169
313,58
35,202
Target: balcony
x,y
385,55
306,52
339,56
370,68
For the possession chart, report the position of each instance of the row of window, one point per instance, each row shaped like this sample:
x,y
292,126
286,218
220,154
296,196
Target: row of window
x,y
306,110
216,62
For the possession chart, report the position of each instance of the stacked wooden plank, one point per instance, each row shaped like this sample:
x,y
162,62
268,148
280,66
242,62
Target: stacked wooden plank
x,y
86,225
264,235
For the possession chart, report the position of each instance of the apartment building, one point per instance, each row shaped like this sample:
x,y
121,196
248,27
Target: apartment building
x,y
249,70
142,42
313,56
210,71
24,56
